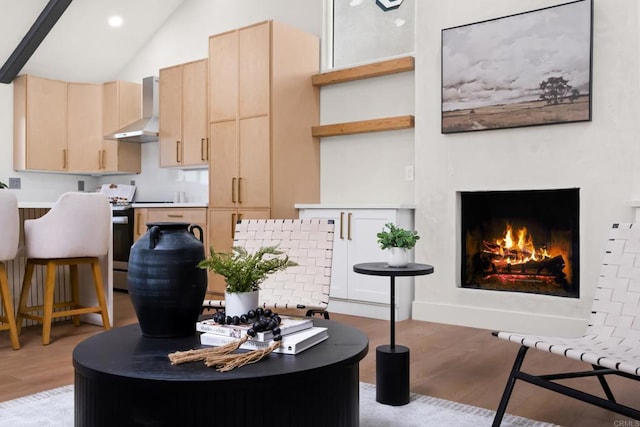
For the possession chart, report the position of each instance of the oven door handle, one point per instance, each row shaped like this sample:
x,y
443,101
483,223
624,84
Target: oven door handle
x,y
120,220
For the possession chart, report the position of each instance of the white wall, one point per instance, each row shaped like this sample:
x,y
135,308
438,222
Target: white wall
x,y
599,157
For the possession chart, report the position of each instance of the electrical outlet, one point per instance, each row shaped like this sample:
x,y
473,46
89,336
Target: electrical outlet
x,y
408,173
14,183
132,182
80,185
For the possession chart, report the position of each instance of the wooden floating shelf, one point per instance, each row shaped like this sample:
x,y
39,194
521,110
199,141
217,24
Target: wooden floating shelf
x,y
375,125
392,66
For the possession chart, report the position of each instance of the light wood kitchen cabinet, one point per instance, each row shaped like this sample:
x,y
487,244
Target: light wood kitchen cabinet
x,y
39,124
197,216
183,115
355,242
221,228
121,105
261,107
84,127
140,220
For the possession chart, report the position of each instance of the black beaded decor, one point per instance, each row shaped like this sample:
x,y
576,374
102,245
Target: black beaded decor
x,y
261,320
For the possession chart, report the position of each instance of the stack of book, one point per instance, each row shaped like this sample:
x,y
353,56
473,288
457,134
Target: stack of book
x,y
298,334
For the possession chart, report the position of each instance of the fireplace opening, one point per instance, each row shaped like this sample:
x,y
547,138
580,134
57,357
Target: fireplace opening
x,y
521,241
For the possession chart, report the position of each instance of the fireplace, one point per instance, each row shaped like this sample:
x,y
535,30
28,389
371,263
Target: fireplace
x,y
521,241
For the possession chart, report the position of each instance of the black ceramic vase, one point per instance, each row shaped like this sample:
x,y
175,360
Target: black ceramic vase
x,y
166,286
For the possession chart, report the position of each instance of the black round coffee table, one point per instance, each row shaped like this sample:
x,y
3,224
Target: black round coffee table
x,y
123,378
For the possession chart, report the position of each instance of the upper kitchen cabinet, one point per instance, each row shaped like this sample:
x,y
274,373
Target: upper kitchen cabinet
x,y
261,104
183,115
39,124
84,127
121,105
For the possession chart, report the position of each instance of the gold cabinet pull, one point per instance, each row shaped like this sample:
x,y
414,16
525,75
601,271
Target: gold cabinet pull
x,y
138,221
64,158
175,216
349,226
233,225
233,190
341,225
178,152
104,159
239,190
203,150
99,159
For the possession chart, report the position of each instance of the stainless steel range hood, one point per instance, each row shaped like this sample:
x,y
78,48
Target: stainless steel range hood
x,y
146,129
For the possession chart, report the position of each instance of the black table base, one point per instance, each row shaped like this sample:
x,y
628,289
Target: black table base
x,y
392,375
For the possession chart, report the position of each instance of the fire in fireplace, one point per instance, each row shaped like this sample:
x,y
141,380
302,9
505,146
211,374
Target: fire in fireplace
x,y
521,241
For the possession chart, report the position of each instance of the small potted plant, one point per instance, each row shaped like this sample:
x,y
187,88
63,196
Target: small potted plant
x,y
243,273
3,185
399,242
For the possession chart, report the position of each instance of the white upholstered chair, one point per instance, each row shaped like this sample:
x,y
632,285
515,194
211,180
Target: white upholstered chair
x,y
611,341
77,230
9,218
309,243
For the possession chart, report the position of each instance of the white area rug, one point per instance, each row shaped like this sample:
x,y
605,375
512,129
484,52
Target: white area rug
x,y
54,408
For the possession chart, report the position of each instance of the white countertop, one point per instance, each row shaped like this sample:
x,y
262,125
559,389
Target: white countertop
x,y
35,205
49,205
170,205
354,206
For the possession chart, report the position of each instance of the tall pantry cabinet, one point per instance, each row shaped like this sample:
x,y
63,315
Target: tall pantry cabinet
x,y
261,108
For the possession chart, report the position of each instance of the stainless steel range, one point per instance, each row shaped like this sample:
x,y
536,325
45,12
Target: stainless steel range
x,y
120,196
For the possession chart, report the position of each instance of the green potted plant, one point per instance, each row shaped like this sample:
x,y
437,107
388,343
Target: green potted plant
x,y
3,185
243,273
399,242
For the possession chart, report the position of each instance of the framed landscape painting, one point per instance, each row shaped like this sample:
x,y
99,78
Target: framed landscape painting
x,y
528,69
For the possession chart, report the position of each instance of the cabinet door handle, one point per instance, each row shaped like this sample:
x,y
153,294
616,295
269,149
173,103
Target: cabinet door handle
x,y
203,150
104,159
178,152
341,225
239,190
99,159
138,221
175,215
233,190
64,158
233,225
349,226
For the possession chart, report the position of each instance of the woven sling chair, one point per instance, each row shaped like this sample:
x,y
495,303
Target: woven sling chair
x,y
309,243
611,342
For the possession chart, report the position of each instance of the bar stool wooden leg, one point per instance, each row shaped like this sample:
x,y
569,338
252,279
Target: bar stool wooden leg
x,y
24,294
49,288
102,301
8,307
75,302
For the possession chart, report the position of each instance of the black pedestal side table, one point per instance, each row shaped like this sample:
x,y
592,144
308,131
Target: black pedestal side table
x,y
392,361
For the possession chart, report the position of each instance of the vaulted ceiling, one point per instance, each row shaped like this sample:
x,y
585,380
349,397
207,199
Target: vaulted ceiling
x,y
82,46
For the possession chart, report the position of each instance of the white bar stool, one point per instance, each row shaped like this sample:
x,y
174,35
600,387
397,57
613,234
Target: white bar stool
x,y
10,220
77,230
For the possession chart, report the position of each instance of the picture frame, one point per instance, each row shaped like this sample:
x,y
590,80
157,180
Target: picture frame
x,y
527,69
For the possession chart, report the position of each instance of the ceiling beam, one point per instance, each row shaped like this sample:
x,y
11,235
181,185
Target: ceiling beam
x,y
30,42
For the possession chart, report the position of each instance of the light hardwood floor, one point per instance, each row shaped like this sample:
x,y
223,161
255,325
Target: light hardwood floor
x,y
462,364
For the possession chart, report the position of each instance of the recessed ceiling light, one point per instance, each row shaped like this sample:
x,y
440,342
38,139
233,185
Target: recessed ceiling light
x,y
399,22
115,21
355,3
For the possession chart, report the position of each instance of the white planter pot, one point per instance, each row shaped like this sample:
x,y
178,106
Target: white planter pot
x,y
239,303
398,257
